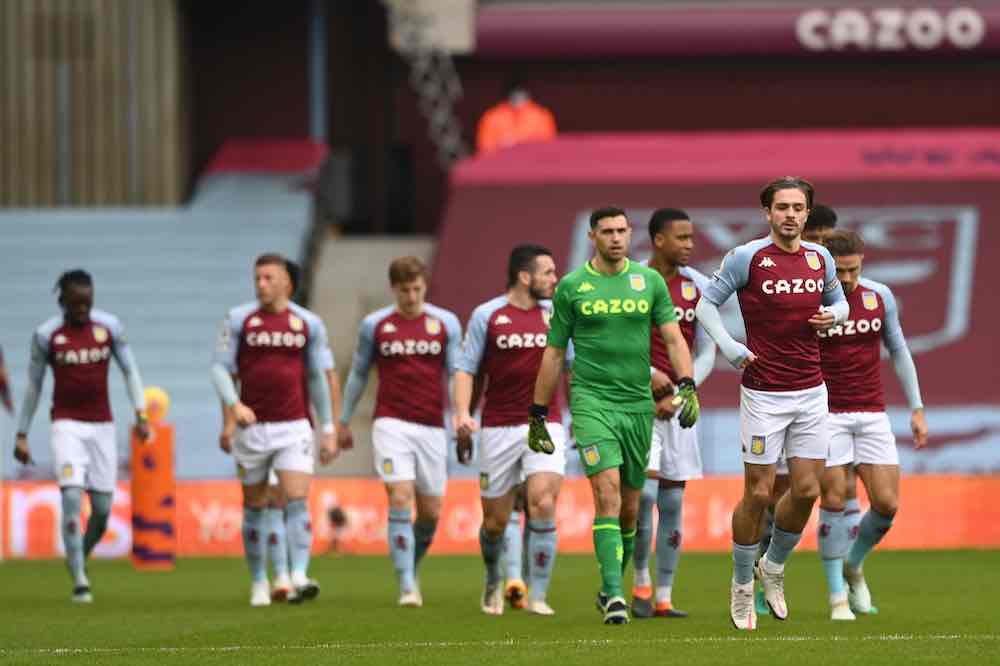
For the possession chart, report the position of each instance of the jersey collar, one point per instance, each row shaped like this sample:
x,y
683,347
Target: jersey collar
x,y
594,271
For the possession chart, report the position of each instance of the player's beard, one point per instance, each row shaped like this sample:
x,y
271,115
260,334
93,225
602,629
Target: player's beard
x,y
539,294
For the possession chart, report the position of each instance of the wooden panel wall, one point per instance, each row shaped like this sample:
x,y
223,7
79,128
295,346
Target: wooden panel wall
x,y
92,103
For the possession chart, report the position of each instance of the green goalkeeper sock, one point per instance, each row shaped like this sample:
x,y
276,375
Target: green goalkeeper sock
x,y
628,548
610,552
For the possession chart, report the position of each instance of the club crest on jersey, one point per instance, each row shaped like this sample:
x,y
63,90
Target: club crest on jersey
x,y
254,321
484,481
432,326
688,291
585,287
295,323
757,445
546,316
637,282
869,300
100,334
591,456
812,260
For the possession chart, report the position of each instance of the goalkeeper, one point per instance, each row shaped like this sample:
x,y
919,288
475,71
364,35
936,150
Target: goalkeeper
x,y
607,307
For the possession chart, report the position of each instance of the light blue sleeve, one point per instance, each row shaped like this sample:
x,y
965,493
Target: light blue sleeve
x,y
227,343
360,366
704,354
732,275
122,353
319,358
224,385
474,345
834,299
36,378
453,351
895,342
318,354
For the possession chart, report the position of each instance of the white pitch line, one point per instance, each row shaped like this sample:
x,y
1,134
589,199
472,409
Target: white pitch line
x,y
578,643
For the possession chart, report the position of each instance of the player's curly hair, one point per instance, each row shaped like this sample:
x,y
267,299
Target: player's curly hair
x,y
844,242
786,183
75,276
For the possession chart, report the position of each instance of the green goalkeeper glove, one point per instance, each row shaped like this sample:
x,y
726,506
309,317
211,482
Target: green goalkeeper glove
x,y
539,440
686,403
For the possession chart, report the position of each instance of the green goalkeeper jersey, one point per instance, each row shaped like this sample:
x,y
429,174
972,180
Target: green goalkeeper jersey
x,y
608,317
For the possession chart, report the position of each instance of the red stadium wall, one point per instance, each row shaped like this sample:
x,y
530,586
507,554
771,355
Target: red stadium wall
x,y
938,512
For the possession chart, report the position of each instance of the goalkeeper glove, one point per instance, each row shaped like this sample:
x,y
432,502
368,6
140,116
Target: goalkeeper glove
x,y
686,403
539,440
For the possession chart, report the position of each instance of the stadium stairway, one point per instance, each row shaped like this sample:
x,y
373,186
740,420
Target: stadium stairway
x,y
169,274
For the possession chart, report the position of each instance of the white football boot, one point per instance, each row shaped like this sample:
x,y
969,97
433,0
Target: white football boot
x,y
742,610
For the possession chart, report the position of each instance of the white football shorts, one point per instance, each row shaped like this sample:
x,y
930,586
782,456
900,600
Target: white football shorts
x,y
278,445
673,453
407,451
789,422
862,438
505,459
85,454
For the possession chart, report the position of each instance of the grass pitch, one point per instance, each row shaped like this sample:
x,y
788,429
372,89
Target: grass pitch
x,y
936,607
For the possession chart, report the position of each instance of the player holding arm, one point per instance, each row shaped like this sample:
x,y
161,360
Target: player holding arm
x,y
606,308
505,340
277,351
859,429
414,345
79,346
674,456
787,290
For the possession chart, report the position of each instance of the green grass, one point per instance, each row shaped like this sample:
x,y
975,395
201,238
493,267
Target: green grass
x,y
936,607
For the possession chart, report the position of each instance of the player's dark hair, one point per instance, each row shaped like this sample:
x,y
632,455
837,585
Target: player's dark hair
x,y
608,211
786,183
406,269
821,217
522,258
77,277
661,217
844,242
294,275
271,258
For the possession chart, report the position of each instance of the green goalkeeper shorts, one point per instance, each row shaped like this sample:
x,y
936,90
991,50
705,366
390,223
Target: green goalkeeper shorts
x,y
609,439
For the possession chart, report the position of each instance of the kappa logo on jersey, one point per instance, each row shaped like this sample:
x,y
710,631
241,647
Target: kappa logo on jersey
x,y
688,291
853,327
766,262
502,319
294,323
591,456
795,286
100,334
757,445
812,260
83,356
389,327
614,306
60,339
870,300
432,326
254,322
522,341
585,287
637,282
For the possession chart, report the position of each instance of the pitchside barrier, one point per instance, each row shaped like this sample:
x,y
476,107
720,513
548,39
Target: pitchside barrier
x,y
936,512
